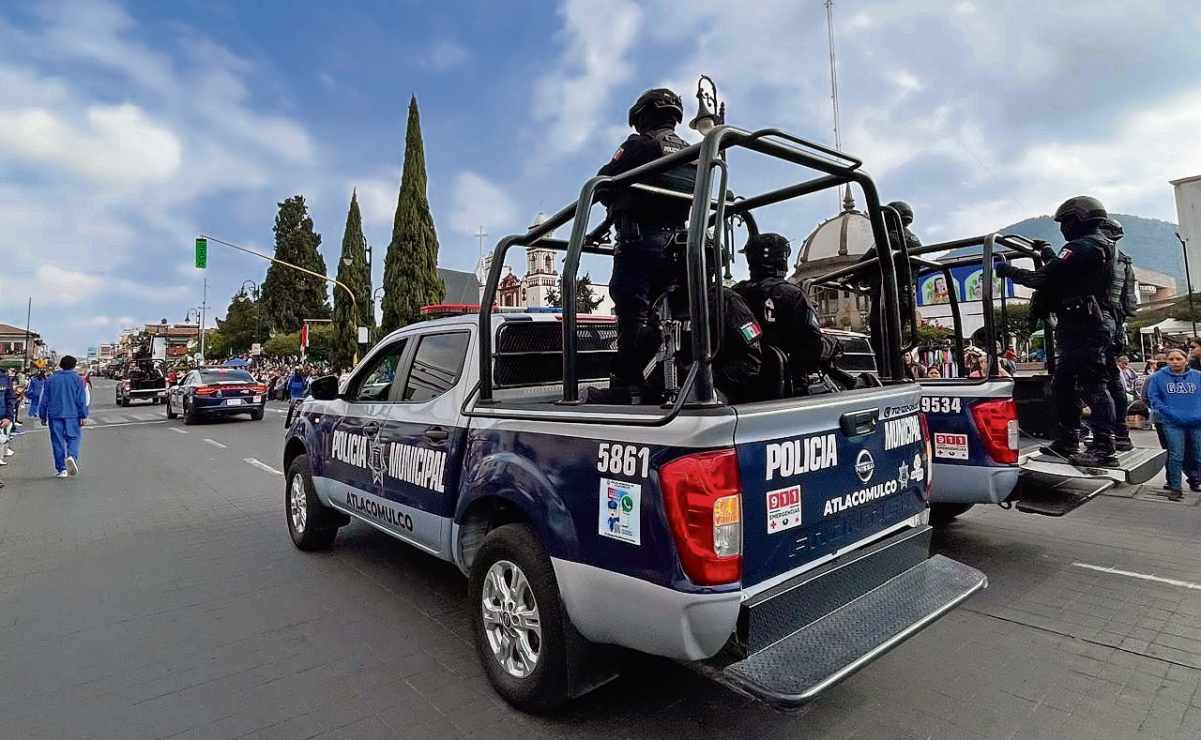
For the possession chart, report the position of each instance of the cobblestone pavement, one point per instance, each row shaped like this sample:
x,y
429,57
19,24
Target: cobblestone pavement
x,y
158,595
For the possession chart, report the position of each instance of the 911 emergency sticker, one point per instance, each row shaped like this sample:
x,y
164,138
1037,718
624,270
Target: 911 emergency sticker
x,y
620,516
950,446
783,509
941,405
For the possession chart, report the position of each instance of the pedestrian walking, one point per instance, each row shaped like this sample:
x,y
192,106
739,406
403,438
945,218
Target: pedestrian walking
x,y
33,393
64,407
1174,394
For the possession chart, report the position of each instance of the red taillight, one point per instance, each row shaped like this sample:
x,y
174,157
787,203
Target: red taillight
x,y
260,388
205,390
704,507
997,422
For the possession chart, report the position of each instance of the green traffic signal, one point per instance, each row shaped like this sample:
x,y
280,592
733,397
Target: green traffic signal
x,y
202,253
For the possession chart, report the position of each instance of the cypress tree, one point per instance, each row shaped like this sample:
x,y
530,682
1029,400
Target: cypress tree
x,y
290,296
356,276
411,270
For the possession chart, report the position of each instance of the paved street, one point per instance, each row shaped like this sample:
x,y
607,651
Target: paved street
x,y
158,595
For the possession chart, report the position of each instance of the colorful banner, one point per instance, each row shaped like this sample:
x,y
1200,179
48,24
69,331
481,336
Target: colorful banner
x,y
932,289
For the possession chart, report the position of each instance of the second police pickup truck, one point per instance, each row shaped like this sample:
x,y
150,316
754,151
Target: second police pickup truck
x,y
775,546
988,431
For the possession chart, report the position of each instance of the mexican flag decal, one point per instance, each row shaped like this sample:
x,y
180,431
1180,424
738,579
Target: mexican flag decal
x,y
750,331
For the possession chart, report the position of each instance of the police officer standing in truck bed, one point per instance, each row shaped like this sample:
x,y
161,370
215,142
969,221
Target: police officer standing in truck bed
x,y
1076,284
1124,303
646,223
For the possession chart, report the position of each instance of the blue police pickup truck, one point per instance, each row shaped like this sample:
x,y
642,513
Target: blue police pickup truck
x,y
775,546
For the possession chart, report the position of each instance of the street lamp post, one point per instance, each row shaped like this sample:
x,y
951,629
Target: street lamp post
x,y
258,328
376,295
348,261
1188,279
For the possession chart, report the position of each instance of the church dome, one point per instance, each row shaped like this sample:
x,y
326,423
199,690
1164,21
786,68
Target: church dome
x,y
849,234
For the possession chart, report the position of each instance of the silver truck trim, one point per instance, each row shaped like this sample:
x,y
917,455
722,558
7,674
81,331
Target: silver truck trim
x,y
616,609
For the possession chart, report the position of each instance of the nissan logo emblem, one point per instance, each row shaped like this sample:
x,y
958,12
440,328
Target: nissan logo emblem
x,y
865,466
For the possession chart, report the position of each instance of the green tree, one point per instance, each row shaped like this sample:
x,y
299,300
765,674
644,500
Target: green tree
x,y
290,296
585,298
321,344
241,324
216,345
283,345
411,269
356,276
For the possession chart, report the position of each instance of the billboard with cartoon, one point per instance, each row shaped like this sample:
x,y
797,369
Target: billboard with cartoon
x,y
932,289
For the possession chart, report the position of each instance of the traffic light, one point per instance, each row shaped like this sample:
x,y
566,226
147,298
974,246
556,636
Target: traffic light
x,y
202,253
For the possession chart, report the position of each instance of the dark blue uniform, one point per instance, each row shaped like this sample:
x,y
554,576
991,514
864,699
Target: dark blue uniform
x,y
642,267
1076,284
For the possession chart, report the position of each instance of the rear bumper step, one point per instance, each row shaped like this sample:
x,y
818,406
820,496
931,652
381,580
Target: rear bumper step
x,y
795,669
1051,495
1134,466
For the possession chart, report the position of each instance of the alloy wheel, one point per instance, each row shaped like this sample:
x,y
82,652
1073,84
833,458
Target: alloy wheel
x,y
511,620
298,504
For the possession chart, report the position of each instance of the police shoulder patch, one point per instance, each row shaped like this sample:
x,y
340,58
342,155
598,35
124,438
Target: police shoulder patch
x,y
1065,253
617,154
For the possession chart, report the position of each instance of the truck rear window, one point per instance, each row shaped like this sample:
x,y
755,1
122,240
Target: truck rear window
x,y
531,352
218,375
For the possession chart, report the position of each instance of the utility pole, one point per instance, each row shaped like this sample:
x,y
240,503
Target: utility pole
x,y
203,305
28,313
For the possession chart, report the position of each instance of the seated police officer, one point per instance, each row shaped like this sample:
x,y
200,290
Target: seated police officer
x,y
781,308
1076,285
646,223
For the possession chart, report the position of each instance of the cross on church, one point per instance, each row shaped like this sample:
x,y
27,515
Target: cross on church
x,y
480,235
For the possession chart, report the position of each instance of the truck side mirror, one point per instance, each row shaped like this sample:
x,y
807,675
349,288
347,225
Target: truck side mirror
x,y
324,388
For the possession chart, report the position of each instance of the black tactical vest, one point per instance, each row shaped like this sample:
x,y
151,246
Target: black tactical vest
x,y
648,208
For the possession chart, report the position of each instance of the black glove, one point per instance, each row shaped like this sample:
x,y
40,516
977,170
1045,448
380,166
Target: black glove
x,y
1002,268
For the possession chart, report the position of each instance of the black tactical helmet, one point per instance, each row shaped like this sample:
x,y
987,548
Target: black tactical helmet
x,y
660,99
904,210
1082,208
767,247
1112,228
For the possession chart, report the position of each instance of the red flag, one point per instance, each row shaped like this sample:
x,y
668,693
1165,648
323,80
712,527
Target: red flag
x,y
304,337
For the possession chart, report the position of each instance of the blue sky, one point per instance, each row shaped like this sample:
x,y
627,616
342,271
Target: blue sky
x,y
126,128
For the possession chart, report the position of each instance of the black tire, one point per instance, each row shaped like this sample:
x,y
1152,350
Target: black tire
x,y
321,522
170,411
546,686
942,515
257,415
189,415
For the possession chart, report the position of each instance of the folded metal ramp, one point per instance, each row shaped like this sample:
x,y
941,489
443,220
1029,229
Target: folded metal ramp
x,y
1133,467
797,668
1052,495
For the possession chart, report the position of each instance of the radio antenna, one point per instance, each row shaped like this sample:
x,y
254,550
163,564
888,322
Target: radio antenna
x,y
848,202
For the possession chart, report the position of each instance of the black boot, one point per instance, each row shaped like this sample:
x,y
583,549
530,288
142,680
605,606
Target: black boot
x,y
1123,444
1094,457
1175,494
1064,448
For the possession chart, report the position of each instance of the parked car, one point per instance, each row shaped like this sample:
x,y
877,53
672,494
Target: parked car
x,y
216,391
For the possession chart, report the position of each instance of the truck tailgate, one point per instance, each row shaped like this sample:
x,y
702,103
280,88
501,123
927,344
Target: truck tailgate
x,y
821,474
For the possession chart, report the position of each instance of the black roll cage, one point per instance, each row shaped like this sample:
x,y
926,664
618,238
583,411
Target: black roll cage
x,y
992,246
702,260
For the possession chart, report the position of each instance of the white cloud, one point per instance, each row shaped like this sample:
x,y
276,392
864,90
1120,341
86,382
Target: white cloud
x,y
377,198
102,322
446,54
478,202
108,144
52,285
596,37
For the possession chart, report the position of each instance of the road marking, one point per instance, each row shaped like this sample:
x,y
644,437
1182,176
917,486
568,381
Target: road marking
x,y
177,430
262,465
279,411
124,424
214,443
1143,576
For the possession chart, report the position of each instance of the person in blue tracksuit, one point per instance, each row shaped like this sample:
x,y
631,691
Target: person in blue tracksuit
x,y
297,384
33,393
1174,394
63,406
